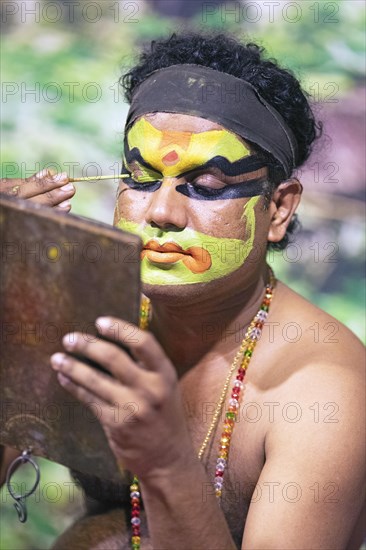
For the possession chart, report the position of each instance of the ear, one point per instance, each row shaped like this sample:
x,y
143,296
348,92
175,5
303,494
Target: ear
x,y
284,202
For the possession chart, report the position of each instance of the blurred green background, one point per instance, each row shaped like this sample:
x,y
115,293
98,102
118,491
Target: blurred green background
x,y
61,108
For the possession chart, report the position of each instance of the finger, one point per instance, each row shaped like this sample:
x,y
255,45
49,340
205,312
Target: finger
x,y
57,197
97,383
104,413
108,355
142,344
37,184
52,191
11,186
42,183
64,206
43,188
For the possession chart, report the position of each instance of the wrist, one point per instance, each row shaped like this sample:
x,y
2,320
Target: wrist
x,y
176,471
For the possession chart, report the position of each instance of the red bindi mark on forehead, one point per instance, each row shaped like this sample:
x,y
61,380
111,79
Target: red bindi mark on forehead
x,y
170,158
173,139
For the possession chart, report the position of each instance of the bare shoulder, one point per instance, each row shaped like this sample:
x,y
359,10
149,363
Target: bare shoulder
x,y
314,440
309,358
316,373
310,335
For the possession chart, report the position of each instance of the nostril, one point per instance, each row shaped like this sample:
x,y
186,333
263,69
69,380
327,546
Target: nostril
x,y
165,226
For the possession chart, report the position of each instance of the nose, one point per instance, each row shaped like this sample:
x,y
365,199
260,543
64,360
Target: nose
x,y
167,209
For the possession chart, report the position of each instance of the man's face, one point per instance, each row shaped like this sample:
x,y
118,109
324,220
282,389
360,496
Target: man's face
x,y
186,199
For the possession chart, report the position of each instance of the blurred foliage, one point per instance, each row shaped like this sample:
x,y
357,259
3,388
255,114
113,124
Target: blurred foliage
x,y
81,132
55,504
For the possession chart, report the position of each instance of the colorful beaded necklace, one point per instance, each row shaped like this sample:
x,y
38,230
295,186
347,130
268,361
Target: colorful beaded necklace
x,y
242,358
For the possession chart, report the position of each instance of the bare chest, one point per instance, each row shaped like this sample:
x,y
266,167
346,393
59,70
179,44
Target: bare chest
x,y
246,452
245,462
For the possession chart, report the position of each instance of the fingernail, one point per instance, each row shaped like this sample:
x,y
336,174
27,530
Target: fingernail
x,y
56,360
103,322
64,204
69,340
63,380
61,176
67,187
42,173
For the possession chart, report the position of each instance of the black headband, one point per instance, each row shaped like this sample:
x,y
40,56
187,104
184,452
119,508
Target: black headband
x,y
220,97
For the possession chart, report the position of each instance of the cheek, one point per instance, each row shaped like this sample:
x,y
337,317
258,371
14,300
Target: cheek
x,y
132,205
232,219
220,219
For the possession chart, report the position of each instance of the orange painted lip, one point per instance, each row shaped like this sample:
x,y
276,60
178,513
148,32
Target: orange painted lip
x,y
195,258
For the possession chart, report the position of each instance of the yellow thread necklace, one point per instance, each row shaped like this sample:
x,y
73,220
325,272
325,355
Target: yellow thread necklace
x,y
242,358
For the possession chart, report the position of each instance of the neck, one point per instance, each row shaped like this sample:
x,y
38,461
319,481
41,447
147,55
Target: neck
x,y
209,329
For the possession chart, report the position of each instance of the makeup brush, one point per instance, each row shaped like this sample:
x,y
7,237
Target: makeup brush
x,y
97,178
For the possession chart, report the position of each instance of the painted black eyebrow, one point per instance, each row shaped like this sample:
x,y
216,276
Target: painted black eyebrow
x,y
236,168
134,154
250,188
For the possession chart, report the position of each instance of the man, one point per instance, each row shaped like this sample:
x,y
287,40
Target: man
x,y
213,136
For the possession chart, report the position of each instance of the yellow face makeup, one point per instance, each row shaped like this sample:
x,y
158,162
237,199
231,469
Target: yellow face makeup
x,y
172,153
159,157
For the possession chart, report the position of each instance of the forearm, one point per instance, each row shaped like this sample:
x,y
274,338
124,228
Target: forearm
x,y
182,512
157,445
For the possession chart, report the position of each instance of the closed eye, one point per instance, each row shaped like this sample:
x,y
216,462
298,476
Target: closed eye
x,y
207,181
147,185
141,174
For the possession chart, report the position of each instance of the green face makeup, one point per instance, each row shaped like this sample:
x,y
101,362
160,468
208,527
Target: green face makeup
x,y
188,256
217,158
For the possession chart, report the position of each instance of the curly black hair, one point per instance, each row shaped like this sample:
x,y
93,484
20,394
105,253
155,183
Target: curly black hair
x,y
278,86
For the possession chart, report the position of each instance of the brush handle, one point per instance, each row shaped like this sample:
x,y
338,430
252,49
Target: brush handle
x,y
97,178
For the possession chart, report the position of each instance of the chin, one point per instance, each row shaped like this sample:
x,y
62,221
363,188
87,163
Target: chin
x,y
228,287
176,294
196,293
